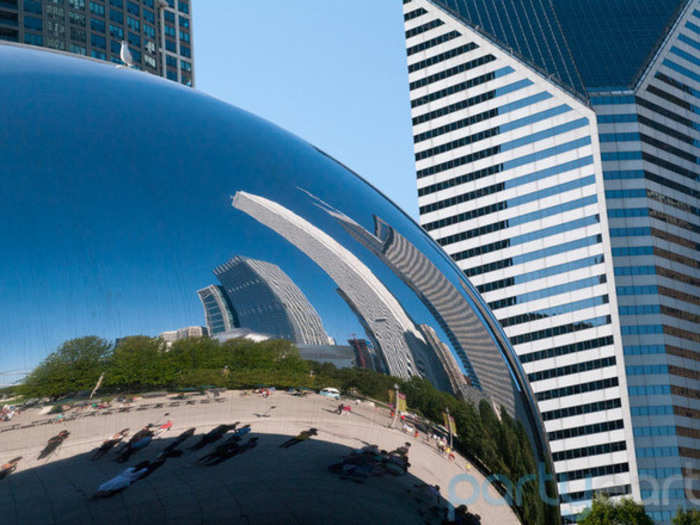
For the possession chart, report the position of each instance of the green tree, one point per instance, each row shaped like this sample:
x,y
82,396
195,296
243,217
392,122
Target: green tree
x,y
74,366
138,362
607,512
687,517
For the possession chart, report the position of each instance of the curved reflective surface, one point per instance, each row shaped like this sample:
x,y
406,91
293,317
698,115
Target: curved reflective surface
x,y
134,206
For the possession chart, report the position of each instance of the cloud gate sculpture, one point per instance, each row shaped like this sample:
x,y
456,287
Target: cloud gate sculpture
x,y
159,242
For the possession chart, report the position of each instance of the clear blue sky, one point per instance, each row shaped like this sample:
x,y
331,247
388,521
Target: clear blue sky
x,y
331,72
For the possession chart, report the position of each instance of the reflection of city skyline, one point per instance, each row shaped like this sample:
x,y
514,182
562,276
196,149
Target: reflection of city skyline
x,y
449,307
384,319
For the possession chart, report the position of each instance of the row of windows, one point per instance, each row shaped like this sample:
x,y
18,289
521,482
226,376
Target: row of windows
x,y
652,410
617,118
464,141
675,221
488,190
578,410
547,292
442,56
471,101
642,329
514,221
555,310
667,113
612,99
572,369
650,390
657,452
556,351
618,490
637,290
423,28
585,430
462,86
560,330
540,274
690,58
644,349
672,99
527,237
35,40
643,370
677,152
640,309
432,42
485,115
675,83
669,131
593,472
503,128
506,146
536,254
660,473
579,388
618,137
446,73
414,14
640,174
630,232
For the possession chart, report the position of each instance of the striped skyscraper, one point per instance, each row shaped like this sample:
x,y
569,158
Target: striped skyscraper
x,y
557,149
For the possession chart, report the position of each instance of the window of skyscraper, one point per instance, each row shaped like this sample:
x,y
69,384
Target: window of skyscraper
x,y
133,24
116,31
185,51
32,22
149,30
32,6
98,41
96,8
184,36
171,60
117,3
170,45
134,39
116,16
133,8
97,25
184,22
77,19
97,54
78,34
172,75
33,39
149,16
78,50
183,6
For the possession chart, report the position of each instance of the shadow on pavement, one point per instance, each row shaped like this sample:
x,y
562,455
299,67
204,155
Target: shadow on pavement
x,y
264,485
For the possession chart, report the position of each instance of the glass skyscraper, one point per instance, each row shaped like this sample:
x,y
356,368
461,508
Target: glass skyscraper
x,y
557,147
158,32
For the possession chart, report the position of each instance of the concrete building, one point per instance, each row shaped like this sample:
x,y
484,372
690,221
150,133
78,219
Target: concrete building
x,y
158,32
183,333
219,314
266,300
557,160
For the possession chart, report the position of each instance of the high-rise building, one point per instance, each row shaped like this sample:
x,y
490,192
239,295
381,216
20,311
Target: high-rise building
x,y
557,148
158,32
219,314
266,300
183,333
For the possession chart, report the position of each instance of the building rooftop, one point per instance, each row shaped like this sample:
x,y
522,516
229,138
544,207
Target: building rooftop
x,y
584,44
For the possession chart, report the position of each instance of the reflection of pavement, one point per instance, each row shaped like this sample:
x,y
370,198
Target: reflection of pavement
x,y
265,485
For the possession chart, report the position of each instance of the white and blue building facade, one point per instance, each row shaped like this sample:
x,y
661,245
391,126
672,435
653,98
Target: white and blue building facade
x,y
557,150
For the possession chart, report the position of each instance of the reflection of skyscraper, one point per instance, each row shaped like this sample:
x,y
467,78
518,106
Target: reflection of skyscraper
x,y
218,312
363,357
464,329
393,331
449,364
266,300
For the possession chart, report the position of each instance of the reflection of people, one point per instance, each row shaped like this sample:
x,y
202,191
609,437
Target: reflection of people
x,y
110,444
231,448
302,436
9,467
213,435
122,480
54,443
138,441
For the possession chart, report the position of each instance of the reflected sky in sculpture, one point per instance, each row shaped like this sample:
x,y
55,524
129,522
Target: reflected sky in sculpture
x,y
123,193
